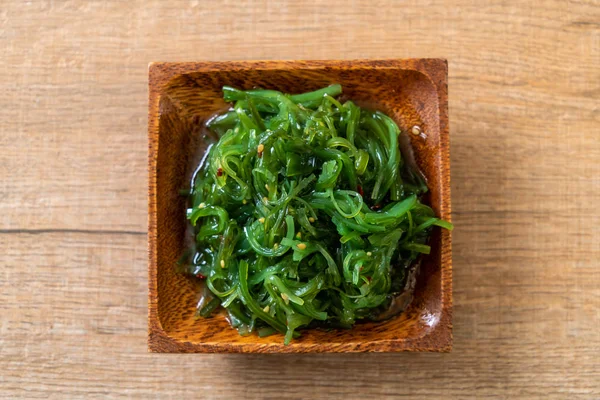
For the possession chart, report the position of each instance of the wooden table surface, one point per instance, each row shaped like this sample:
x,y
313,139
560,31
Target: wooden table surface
x,y
525,154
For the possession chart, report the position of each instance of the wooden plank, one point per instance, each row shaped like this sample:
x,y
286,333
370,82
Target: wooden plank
x,y
524,91
73,309
521,93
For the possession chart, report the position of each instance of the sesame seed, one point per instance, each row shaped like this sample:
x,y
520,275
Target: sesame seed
x,y
261,220
311,220
299,235
260,148
222,263
201,205
301,246
285,298
369,253
276,246
267,186
267,308
416,130
244,201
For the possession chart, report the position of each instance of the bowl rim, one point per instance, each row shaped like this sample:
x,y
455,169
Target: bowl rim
x,y
438,339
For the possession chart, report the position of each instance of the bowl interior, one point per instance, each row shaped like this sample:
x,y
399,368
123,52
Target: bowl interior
x,y
188,99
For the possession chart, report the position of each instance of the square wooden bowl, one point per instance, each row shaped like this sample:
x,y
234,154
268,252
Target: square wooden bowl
x,y
183,95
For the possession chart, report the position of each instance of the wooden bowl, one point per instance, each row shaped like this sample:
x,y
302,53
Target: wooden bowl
x,y
183,95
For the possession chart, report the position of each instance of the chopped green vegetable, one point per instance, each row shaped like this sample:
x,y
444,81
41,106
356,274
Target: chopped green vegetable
x,y
304,213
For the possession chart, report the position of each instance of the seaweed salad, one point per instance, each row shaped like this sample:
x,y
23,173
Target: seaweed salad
x,y
305,213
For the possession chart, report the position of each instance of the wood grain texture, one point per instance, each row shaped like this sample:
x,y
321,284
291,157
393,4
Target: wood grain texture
x,y
183,96
524,90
